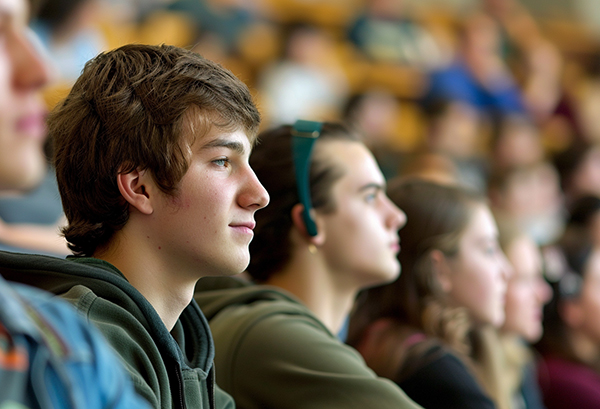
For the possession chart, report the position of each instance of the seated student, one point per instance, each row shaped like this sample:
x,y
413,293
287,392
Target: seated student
x,y
570,346
49,357
329,231
151,157
419,330
526,294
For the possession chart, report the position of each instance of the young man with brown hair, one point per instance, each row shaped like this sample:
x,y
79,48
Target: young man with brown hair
x,y
151,155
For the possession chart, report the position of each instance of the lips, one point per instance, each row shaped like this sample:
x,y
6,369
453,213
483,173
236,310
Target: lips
x,y
33,125
244,228
249,225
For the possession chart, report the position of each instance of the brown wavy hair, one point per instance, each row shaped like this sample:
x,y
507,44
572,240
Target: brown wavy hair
x,y
437,216
135,107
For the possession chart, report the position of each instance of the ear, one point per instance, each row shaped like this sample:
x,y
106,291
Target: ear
x,y
134,188
571,312
441,270
298,222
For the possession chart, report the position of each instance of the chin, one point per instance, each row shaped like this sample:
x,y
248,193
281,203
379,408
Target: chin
x,y
240,265
383,277
33,174
532,337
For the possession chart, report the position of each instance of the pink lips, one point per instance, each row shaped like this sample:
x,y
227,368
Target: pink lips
x,y
245,228
33,125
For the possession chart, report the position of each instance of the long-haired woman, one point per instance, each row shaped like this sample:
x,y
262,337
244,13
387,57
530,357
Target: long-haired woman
x,y
421,330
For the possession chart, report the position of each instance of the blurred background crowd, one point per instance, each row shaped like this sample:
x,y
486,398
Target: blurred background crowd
x,y
497,94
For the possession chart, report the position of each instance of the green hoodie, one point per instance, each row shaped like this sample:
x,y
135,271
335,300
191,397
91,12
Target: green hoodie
x,y
170,370
273,352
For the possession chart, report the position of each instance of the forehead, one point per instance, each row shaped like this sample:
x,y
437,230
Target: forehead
x,y
216,137
481,225
525,256
354,160
198,127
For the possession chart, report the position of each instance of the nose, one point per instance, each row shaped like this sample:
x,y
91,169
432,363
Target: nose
x,y
254,195
506,269
396,218
30,69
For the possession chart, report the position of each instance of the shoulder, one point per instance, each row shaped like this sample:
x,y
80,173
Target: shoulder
x,y
439,369
304,359
264,322
128,332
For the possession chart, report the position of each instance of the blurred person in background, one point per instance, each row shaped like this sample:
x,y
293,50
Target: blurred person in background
x,y
70,35
533,59
530,194
30,221
526,294
516,142
455,129
385,32
374,114
579,169
477,75
49,356
570,346
421,331
307,82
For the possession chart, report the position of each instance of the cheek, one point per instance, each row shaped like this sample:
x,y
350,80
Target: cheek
x,y
480,288
352,237
520,296
514,300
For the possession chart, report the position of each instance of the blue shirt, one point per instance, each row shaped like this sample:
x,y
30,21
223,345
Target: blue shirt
x,y
51,358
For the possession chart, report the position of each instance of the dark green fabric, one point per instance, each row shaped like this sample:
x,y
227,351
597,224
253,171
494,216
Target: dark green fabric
x,y
167,368
272,352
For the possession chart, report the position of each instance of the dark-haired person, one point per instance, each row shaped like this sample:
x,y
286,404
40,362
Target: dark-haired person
x,y
570,347
329,231
151,155
49,356
425,331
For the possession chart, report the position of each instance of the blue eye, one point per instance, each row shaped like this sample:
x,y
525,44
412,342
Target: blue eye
x,y
224,162
371,197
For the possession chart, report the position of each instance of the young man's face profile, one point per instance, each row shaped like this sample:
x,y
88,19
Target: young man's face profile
x,y
22,112
210,220
362,233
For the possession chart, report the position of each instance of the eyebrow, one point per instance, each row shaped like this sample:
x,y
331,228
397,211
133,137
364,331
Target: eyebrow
x,y
376,186
237,147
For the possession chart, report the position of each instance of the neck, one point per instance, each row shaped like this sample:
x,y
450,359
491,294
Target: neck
x,y
308,278
167,292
